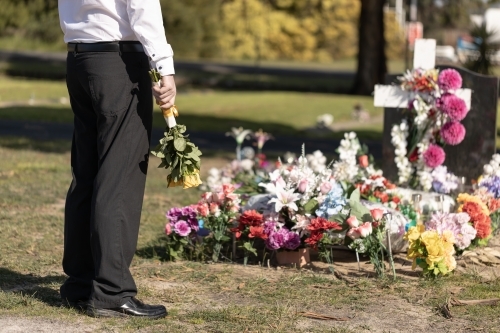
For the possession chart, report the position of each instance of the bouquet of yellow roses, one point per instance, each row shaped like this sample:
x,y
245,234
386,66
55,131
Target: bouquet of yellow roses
x,y
178,155
432,251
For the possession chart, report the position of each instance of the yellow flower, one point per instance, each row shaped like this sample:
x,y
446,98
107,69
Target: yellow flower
x,y
450,262
192,181
414,233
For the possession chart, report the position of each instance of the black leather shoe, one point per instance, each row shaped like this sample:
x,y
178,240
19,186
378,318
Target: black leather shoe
x,y
133,307
77,305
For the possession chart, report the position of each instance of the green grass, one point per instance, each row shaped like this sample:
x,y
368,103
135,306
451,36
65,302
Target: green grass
x,y
217,111
34,178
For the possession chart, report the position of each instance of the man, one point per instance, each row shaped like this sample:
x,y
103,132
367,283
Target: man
x,y
111,45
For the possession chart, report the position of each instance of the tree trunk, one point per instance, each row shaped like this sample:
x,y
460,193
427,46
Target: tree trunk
x,y
372,66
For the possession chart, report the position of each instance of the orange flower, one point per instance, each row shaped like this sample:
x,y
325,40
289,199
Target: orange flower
x,y
257,232
480,221
494,204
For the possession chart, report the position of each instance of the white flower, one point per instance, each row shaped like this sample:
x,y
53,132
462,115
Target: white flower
x,y
285,198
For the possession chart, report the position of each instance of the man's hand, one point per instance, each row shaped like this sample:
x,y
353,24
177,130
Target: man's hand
x,y
165,93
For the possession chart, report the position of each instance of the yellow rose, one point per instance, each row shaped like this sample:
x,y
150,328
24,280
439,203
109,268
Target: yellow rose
x,y
192,181
431,260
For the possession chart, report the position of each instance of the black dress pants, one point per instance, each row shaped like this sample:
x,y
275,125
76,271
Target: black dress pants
x,y
111,98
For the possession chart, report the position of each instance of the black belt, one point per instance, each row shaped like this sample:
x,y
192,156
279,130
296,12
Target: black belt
x,y
106,47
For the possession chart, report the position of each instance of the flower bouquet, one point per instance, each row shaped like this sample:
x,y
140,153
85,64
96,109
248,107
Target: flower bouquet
x,y
366,231
218,210
181,230
432,251
178,155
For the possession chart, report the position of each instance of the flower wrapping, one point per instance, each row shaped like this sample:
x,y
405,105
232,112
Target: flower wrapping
x,y
178,154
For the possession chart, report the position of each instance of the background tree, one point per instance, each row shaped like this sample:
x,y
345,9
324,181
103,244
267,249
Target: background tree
x,y
372,61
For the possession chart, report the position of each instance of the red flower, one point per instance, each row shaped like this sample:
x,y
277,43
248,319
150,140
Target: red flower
x,y
322,224
257,232
480,221
384,197
396,200
236,231
251,218
314,239
494,205
413,156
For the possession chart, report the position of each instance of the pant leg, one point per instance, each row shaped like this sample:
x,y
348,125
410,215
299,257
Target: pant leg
x,y
120,91
77,260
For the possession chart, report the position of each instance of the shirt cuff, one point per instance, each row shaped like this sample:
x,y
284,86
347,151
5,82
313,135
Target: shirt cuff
x,y
165,66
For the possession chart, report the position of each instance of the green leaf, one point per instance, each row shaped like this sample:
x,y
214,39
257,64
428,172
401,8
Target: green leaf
x,y
248,246
180,144
311,206
355,196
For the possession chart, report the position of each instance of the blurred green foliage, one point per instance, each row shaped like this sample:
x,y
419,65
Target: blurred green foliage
x,y
304,30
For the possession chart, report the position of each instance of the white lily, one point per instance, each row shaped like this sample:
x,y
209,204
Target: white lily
x,y
285,198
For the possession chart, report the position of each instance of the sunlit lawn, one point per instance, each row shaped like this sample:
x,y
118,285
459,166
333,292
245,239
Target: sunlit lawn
x,y
34,177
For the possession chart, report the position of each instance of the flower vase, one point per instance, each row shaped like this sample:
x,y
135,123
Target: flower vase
x,y
298,258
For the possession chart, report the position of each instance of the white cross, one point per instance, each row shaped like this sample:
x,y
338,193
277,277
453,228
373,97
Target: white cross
x,y
392,96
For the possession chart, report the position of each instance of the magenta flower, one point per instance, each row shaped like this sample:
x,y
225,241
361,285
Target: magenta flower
x,y
453,133
182,228
277,240
434,156
293,241
453,106
449,79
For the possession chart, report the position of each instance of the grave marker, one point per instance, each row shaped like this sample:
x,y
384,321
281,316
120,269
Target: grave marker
x,y
480,93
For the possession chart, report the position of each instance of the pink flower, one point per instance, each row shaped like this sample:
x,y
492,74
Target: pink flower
x,y
214,208
363,161
232,197
303,185
207,196
449,79
182,228
203,209
453,106
325,187
453,133
353,233
365,229
434,156
234,208
168,229
227,189
377,213
352,222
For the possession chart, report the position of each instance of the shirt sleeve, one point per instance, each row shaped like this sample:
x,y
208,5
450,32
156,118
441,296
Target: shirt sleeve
x,y
146,20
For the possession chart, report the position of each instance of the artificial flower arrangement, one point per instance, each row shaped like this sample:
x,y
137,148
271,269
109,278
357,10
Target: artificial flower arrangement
x,y
432,121
366,232
215,213
430,250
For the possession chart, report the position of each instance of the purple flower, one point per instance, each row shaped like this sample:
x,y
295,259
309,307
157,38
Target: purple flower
x,y
269,227
492,184
277,239
182,228
293,241
449,79
174,214
187,214
458,224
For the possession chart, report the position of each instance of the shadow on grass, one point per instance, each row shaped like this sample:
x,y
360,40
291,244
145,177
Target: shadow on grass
x,y
36,287
23,143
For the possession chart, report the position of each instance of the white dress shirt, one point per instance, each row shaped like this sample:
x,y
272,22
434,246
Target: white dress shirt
x,y
91,21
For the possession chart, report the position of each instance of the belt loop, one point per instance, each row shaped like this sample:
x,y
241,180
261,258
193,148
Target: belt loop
x,y
120,49
75,52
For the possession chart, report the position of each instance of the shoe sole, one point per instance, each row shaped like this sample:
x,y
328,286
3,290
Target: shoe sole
x,y
105,313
